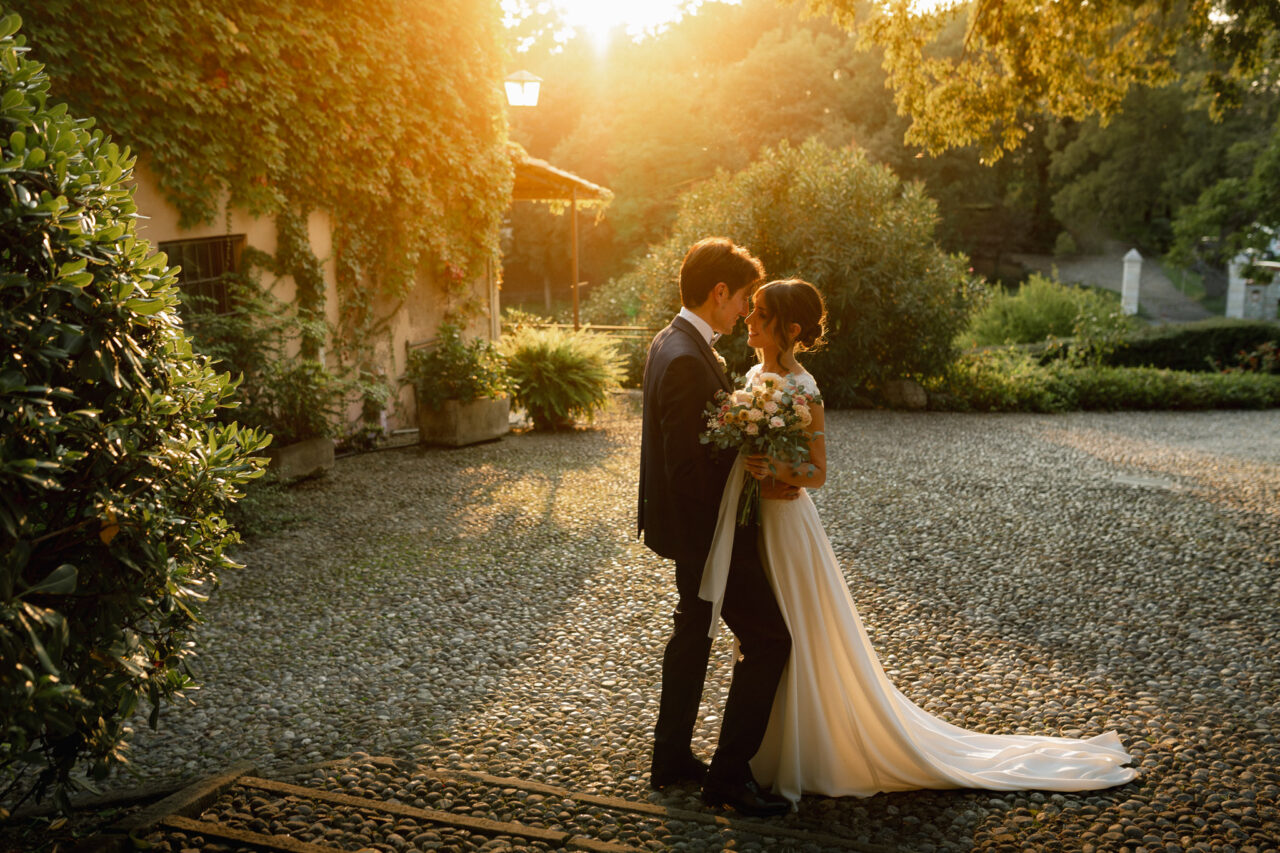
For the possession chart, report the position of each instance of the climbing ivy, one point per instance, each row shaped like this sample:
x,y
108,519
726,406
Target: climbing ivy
x,y
295,258
385,113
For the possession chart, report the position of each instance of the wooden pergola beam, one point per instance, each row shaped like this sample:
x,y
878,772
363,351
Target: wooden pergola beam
x,y
538,180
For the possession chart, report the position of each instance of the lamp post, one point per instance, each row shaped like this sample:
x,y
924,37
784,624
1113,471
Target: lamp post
x,y
522,89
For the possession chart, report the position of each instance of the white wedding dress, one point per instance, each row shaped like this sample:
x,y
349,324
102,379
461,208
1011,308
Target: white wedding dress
x,y
838,726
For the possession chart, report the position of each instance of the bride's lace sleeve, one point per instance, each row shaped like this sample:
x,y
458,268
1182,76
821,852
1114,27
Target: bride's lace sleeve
x,y
807,383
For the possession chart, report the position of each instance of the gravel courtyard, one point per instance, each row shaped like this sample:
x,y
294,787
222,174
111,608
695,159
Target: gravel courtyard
x,y
490,608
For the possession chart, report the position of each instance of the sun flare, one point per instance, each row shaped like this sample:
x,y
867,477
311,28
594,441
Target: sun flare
x,y
637,18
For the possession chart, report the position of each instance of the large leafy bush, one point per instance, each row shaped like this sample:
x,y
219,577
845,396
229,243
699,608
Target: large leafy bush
x,y
560,375
1042,308
113,474
866,239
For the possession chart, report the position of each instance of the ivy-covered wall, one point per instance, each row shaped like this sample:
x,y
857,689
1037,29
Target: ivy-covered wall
x,y
386,115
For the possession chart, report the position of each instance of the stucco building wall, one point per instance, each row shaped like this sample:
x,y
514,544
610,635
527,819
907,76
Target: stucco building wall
x,y
409,321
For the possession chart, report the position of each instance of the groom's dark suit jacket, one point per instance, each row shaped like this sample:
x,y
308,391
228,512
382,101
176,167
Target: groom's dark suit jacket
x,y
680,479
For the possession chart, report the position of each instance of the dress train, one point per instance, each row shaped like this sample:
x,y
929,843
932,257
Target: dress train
x,y
838,725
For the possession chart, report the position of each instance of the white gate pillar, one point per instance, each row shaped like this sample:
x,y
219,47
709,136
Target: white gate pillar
x,y
1132,280
1236,286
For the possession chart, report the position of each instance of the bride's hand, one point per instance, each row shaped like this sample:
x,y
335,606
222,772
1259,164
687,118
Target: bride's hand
x,y
760,466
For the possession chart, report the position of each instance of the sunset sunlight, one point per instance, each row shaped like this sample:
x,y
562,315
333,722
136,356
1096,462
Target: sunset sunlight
x,y
640,425
636,17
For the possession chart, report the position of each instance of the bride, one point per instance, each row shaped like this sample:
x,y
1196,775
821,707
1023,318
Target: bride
x,y
838,726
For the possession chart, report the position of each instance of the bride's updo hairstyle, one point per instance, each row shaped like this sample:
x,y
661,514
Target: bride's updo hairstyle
x,y
794,300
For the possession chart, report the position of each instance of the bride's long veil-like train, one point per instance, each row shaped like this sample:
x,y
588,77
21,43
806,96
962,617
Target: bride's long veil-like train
x,y
839,727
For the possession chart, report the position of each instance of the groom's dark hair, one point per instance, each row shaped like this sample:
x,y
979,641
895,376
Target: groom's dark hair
x,y
711,261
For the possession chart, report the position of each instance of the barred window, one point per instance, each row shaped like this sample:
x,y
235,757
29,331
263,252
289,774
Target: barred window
x,y
204,262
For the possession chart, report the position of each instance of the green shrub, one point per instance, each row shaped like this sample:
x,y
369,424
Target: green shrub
x,y
866,239
300,399
1002,380
1265,358
560,375
1100,329
631,348
1042,308
1065,245
1010,380
1196,346
291,397
114,475
456,370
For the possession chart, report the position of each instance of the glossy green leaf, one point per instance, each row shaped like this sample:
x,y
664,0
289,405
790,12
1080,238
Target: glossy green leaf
x,y
61,581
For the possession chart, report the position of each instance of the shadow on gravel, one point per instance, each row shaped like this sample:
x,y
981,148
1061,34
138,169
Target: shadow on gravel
x,y
422,576
1009,583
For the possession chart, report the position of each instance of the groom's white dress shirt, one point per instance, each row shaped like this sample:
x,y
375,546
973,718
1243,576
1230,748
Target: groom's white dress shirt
x,y
703,327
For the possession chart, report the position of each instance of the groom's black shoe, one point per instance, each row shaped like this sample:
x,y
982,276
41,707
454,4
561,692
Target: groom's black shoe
x,y
684,771
747,799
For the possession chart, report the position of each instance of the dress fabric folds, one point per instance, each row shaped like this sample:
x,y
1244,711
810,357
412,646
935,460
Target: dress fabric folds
x,y
839,727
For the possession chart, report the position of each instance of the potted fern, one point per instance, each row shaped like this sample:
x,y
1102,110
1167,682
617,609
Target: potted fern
x,y
559,376
462,390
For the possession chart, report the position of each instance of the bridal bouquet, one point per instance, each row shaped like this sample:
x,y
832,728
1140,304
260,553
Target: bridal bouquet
x,y
769,416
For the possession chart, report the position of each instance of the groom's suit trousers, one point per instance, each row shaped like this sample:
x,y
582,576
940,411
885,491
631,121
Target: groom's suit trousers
x,y
752,613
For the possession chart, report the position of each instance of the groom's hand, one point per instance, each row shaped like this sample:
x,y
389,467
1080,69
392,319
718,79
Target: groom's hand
x,y
776,490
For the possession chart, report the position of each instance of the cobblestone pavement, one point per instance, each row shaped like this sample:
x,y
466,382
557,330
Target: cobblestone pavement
x,y
489,609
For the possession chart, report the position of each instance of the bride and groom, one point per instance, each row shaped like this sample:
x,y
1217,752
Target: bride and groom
x,y
810,709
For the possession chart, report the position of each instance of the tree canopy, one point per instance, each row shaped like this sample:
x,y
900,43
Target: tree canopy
x,y
1019,59
651,119
895,300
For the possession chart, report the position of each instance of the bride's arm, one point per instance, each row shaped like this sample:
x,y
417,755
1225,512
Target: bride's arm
x,y
809,474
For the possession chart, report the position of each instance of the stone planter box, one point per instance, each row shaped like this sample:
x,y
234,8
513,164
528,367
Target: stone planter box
x,y
302,459
458,424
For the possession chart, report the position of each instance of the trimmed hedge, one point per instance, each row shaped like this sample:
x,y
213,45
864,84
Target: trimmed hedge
x,y
1115,388
1011,381
1190,346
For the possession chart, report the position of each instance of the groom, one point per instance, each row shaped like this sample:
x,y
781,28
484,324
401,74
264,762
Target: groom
x,y
680,487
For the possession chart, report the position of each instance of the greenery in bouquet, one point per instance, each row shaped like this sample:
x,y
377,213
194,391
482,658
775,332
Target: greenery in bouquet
x,y
770,416
455,369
